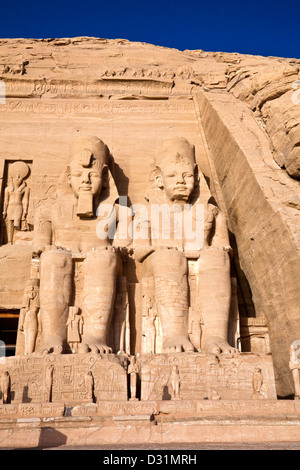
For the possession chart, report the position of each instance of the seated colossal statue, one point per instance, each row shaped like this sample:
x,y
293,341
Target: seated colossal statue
x,y
181,235
73,222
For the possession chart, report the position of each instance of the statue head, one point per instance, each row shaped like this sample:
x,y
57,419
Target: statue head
x,y
87,168
18,172
175,169
87,172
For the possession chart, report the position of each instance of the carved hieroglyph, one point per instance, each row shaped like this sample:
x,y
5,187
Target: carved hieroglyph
x,y
196,376
63,378
164,252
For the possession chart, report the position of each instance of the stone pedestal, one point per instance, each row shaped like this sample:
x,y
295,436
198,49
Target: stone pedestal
x,y
28,378
206,377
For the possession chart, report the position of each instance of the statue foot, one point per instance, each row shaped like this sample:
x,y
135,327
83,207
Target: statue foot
x,y
177,344
94,346
219,347
51,347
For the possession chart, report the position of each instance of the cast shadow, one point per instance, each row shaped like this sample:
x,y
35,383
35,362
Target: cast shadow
x,y
166,395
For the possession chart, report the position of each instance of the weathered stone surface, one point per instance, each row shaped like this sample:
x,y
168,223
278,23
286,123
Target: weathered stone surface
x,y
242,116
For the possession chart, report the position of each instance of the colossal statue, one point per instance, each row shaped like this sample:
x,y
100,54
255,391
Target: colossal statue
x,y
16,200
182,223
28,322
70,224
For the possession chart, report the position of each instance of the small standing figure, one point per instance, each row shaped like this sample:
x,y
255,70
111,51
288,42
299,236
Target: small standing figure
x,y
5,387
49,383
29,316
121,327
294,365
16,200
133,373
75,328
175,383
196,332
257,382
89,386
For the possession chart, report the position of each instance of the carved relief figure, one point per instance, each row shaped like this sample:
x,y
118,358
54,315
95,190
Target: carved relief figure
x,y
89,386
76,222
133,371
149,328
257,382
29,324
176,183
49,382
16,200
121,326
175,382
75,328
5,387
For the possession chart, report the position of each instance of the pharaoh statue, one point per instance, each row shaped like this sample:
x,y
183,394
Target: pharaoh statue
x,y
75,328
133,371
28,322
16,200
183,223
82,217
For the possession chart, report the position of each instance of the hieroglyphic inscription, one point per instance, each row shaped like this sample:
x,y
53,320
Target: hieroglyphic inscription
x,y
200,375
65,107
28,378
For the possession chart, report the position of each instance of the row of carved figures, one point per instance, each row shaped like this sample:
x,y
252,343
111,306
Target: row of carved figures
x,y
133,373
76,220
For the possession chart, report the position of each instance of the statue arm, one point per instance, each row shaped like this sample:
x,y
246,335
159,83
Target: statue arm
x,y
6,201
221,236
123,237
142,237
25,201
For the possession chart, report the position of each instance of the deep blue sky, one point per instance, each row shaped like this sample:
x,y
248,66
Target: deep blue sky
x,y
262,27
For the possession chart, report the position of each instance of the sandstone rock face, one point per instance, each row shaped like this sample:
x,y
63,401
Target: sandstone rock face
x,y
242,115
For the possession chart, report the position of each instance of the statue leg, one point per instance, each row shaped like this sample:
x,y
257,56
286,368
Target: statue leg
x,y
214,295
9,231
55,296
98,296
171,296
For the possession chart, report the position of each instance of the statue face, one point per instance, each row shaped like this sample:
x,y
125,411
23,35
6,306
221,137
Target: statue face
x,y
86,180
17,181
177,179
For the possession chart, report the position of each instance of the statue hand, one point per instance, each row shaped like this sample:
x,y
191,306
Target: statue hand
x,y
4,215
228,250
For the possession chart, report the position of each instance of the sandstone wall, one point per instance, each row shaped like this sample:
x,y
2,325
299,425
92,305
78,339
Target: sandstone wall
x,y
237,110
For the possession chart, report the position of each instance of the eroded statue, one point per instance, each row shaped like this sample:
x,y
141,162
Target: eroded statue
x,y
191,227
16,200
67,224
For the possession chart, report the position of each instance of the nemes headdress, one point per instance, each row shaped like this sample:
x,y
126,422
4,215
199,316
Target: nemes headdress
x,y
175,149
87,149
